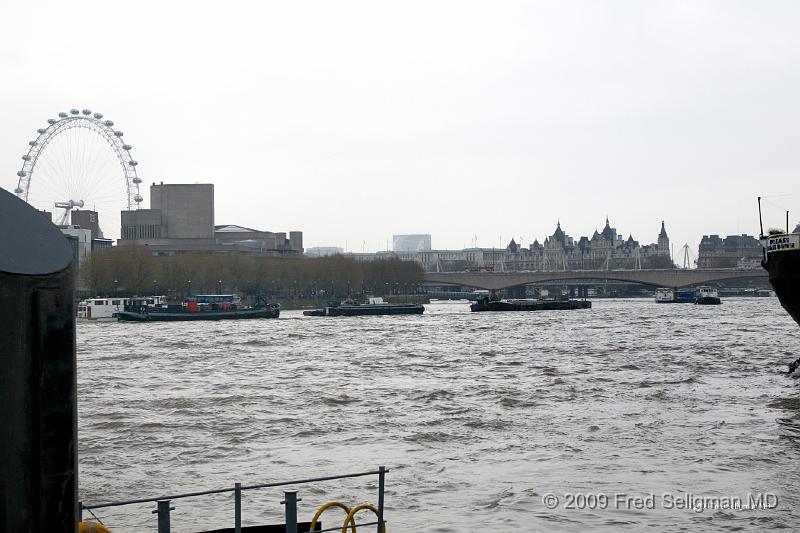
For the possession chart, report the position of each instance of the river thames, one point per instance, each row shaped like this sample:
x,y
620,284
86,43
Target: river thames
x,y
487,421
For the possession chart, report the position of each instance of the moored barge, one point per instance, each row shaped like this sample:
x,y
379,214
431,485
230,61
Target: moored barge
x,y
375,307
487,304
200,307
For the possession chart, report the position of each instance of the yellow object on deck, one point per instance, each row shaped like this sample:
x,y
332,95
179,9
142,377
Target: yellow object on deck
x,y
92,526
351,516
325,508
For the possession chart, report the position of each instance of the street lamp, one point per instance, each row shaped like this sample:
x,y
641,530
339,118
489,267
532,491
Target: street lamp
x,y
188,287
116,286
155,287
219,287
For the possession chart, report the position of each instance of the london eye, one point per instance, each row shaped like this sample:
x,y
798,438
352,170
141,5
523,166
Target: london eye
x,y
69,165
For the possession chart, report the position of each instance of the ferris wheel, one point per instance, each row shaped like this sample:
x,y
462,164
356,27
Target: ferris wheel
x,y
78,169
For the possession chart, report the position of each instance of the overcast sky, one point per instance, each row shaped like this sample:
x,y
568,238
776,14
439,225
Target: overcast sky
x,y
355,121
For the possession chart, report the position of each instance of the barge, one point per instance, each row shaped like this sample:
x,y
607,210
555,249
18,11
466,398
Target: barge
x,y
487,304
199,307
375,307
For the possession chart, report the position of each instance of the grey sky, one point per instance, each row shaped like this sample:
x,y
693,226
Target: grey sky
x,y
354,121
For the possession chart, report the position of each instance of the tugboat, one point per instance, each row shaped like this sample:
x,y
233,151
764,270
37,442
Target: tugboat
x,y
199,307
494,303
707,296
374,307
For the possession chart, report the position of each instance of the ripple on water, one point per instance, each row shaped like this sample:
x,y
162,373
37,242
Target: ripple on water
x,y
481,414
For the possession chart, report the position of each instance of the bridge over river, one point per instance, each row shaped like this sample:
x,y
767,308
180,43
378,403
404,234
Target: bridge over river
x,y
659,278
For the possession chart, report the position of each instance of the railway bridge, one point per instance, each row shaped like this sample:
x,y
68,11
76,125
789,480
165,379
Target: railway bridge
x,y
674,277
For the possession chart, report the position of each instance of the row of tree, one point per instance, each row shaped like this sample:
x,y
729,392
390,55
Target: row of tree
x,y
132,270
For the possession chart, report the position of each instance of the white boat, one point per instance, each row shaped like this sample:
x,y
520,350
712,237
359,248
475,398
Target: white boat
x,y
664,295
707,296
100,308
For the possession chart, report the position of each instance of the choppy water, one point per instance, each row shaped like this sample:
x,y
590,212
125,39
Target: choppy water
x,y
478,416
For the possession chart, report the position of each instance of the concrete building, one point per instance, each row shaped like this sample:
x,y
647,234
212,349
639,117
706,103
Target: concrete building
x,y
81,241
87,219
734,251
181,220
260,241
411,243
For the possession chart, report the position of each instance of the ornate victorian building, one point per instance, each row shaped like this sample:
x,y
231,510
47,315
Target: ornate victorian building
x,y
605,250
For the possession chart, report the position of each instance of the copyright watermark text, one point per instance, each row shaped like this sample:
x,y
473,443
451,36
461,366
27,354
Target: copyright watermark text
x,y
666,500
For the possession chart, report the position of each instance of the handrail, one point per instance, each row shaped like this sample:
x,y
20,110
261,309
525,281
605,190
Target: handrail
x,y
230,489
290,501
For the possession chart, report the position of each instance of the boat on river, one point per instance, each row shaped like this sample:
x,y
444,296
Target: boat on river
x,y
707,296
528,304
782,262
666,295
199,307
100,308
373,307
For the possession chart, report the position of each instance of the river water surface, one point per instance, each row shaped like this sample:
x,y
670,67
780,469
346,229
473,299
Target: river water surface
x,y
478,416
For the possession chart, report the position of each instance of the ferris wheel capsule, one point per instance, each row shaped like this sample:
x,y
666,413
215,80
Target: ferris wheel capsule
x,y
98,116
51,121
18,191
118,133
138,198
63,115
133,162
26,157
109,123
87,112
127,147
22,173
74,111
137,180
33,143
40,131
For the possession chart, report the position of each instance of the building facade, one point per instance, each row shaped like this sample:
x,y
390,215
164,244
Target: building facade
x,y
734,251
604,250
181,220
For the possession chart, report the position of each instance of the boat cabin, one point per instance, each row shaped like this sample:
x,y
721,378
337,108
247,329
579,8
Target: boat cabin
x,y
706,292
664,295
101,308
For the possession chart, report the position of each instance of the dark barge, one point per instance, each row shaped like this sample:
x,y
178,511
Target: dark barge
x,y
376,307
487,304
200,307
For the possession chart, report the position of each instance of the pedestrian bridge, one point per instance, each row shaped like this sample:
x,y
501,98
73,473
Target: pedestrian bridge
x,y
659,278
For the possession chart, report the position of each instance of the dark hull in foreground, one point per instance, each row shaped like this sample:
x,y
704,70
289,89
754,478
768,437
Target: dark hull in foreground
x,y
185,316
368,310
783,266
708,300
529,305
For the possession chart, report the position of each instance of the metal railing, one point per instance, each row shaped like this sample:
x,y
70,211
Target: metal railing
x,y
164,503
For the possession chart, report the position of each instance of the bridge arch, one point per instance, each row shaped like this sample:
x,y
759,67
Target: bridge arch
x,y
656,278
